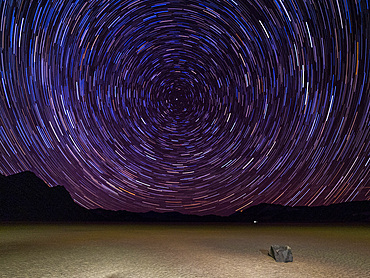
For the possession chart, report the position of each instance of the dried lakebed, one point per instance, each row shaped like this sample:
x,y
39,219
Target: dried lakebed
x,y
115,251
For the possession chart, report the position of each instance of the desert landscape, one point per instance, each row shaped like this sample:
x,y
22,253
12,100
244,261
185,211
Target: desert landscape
x,y
184,139
144,250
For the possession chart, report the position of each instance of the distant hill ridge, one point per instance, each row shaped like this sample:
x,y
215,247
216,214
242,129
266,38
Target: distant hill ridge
x,y
25,197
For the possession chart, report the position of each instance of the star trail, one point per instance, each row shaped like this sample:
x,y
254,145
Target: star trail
x,y
201,107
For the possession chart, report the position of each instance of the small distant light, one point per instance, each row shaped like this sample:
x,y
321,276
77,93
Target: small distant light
x,y
255,222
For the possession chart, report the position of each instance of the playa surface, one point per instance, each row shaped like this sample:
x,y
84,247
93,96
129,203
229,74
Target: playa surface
x,y
115,251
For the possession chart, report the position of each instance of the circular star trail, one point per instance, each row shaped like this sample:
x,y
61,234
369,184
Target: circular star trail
x,y
201,107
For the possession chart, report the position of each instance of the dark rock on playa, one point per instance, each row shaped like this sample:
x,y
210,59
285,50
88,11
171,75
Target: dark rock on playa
x,y
281,253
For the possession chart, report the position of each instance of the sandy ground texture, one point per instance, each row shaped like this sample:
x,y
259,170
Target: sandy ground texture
x,y
127,251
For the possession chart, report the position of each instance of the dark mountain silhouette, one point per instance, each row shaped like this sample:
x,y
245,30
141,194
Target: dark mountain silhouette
x,y
25,197
358,211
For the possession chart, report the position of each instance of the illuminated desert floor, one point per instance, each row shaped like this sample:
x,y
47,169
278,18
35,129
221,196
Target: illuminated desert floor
x,y
114,251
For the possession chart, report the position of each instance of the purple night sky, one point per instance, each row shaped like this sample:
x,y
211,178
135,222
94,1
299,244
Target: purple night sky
x,y
201,107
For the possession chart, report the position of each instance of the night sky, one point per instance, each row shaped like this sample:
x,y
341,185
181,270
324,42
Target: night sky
x,y
201,107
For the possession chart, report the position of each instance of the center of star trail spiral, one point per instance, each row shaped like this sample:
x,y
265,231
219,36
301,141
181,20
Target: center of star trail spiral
x,y
191,106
